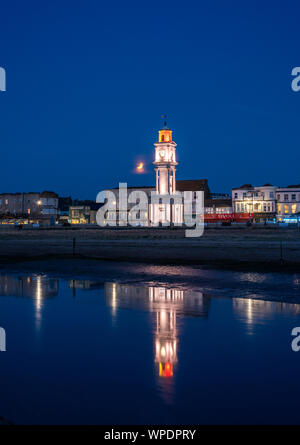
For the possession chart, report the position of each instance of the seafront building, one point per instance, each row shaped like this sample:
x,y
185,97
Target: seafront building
x,y
83,214
33,206
268,203
260,202
216,205
288,203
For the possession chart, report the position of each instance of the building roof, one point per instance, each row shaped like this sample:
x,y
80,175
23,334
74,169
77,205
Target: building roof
x,y
49,194
245,186
218,202
191,185
45,194
288,187
215,195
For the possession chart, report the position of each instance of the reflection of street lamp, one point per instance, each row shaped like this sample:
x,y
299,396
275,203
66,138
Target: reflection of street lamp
x,y
39,202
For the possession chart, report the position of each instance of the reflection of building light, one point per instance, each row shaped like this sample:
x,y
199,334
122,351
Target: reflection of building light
x,y
165,370
255,310
114,298
163,318
38,300
38,294
249,311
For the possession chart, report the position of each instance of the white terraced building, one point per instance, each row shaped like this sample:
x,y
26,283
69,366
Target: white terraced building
x,y
288,203
259,201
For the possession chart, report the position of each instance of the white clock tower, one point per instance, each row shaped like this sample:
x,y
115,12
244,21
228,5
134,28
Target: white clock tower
x,y
165,168
165,162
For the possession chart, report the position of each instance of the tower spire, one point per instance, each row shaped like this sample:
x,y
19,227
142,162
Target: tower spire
x,y
164,117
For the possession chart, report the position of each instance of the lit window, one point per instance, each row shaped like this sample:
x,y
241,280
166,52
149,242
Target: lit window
x,y
286,208
279,208
294,208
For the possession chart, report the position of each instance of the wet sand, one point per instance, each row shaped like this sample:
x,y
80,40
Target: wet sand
x,y
258,247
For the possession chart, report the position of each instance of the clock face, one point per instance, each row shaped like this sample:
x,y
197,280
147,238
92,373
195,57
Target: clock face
x,y
162,153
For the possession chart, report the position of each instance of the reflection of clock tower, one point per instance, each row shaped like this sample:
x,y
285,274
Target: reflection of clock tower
x,y
165,162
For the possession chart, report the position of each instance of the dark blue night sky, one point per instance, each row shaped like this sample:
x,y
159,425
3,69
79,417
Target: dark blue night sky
x,y
87,82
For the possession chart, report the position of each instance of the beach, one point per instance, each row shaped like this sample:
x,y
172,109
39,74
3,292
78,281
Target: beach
x,y
261,247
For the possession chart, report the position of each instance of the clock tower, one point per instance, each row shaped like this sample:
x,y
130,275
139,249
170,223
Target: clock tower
x,y
165,162
169,208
